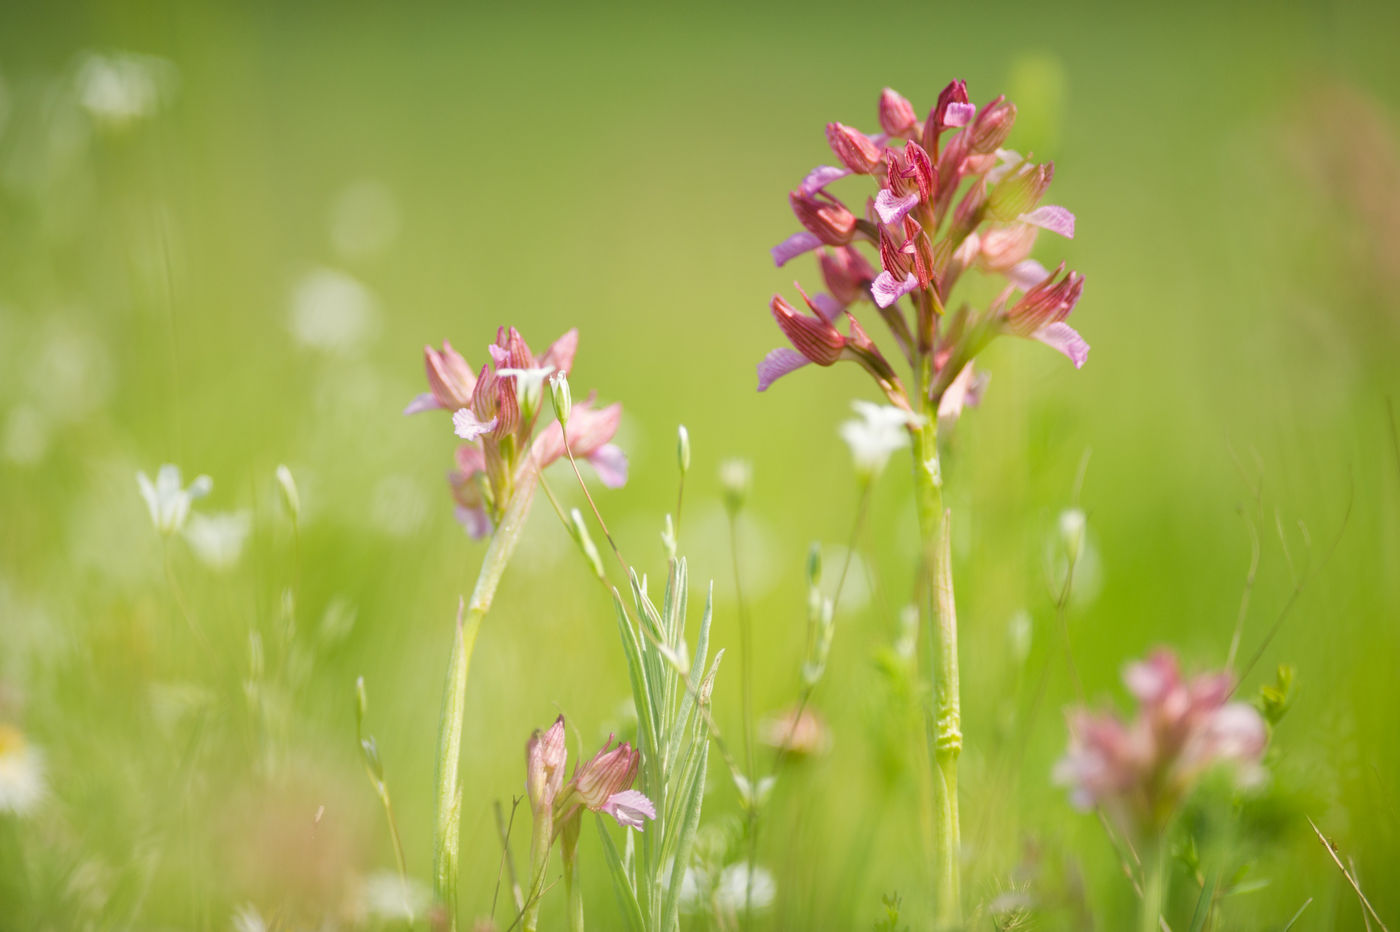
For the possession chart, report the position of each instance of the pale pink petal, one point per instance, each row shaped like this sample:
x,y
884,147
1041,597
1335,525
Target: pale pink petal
x,y
795,245
474,520
966,253
892,209
424,402
561,352
777,364
886,290
1026,275
630,808
610,463
821,176
959,114
827,306
956,395
1063,338
1052,218
468,426
499,355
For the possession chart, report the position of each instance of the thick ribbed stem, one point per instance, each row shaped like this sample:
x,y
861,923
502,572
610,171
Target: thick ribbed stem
x,y
941,616
469,617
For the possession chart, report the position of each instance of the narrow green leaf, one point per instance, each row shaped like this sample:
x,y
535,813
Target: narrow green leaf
x,y
697,670
449,791
1204,902
695,797
622,884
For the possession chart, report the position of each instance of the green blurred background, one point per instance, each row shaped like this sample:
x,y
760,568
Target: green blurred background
x,y
240,270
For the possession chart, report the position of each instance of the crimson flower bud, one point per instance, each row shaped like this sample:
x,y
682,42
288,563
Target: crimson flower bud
x,y
828,220
992,125
813,337
897,117
856,150
545,754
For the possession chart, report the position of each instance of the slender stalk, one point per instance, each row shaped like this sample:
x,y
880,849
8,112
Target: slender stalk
x,y
941,612
572,886
469,618
1154,889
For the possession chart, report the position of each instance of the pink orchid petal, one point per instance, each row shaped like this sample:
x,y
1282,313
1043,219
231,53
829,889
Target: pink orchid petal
x,y
892,209
959,114
795,245
630,808
468,426
499,355
1026,275
827,306
821,176
957,395
1052,218
1063,338
966,253
474,520
777,364
610,463
561,352
886,290
424,402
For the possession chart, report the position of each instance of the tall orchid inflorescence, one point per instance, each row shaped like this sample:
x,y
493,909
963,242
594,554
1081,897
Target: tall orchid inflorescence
x,y
495,410
948,199
926,236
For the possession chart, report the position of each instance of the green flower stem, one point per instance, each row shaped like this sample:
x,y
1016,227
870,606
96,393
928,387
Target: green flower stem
x,y
569,847
469,617
935,527
1154,888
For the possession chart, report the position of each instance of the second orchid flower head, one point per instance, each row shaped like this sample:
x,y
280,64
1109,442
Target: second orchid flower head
x,y
603,783
495,410
948,199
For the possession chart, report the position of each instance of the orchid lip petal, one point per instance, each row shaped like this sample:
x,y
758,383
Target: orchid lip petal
x,y
468,426
959,114
1063,338
777,364
1053,218
886,290
474,520
795,245
821,176
892,208
610,463
827,306
424,402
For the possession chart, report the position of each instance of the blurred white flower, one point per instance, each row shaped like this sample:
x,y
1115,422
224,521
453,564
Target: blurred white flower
x,y
218,539
393,898
364,220
168,500
878,432
21,772
1072,560
332,312
739,887
119,88
735,479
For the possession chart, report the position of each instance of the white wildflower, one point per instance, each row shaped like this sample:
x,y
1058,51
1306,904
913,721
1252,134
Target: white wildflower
x,y
878,432
740,887
168,500
218,539
393,898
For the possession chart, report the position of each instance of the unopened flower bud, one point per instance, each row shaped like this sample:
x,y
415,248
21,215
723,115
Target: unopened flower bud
x,y
560,396
545,755
856,150
992,126
897,117
683,449
735,479
846,273
1072,525
828,220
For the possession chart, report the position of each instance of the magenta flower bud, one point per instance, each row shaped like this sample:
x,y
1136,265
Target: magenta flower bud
x,y
449,377
920,167
1047,303
856,150
828,220
992,126
817,340
952,109
846,273
897,117
545,754
606,773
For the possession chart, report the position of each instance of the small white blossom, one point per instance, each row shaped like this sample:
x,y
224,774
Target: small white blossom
x,y
218,539
393,898
878,432
21,773
739,887
735,478
168,500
